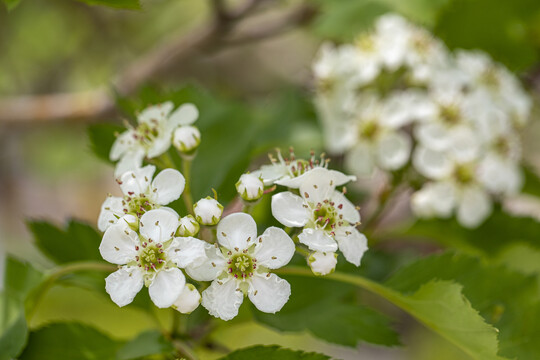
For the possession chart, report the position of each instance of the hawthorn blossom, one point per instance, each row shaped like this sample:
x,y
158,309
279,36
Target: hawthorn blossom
x,y
328,218
150,257
322,263
250,187
141,194
208,211
239,265
456,186
291,171
152,136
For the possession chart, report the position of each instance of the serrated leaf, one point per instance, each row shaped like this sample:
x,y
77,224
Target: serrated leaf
x,y
20,278
102,137
147,343
69,341
118,4
78,242
500,294
272,352
317,305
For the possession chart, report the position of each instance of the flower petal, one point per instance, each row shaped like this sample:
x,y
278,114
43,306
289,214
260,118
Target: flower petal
x,y
130,161
360,160
123,143
118,244
236,231
188,300
167,287
123,284
269,292
209,269
318,240
271,173
289,209
274,248
338,177
184,251
168,186
433,135
475,206
159,225
352,243
111,211
160,144
222,299
155,113
317,186
393,150
186,114
434,199
432,164
345,208
136,181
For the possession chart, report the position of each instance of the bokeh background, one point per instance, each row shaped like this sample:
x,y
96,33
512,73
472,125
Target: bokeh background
x,y
47,170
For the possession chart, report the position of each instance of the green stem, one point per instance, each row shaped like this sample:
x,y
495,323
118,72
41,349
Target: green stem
x,y
184,350
56,274
167,161
303,251
186,195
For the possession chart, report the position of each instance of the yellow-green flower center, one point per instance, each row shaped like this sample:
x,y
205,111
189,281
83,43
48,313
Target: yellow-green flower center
x,y
151,257
241,266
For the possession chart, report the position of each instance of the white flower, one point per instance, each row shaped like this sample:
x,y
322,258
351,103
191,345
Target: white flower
x,y
290,172
188,300
379,143
322,263
241,266
250,187
187,139
457,187
188,226
141,194
328,218
149,258
208,211
152,136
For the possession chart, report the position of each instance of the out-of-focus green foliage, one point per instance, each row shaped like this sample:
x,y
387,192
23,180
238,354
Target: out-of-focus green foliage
x,y
145,344
272,353
60,246
69,341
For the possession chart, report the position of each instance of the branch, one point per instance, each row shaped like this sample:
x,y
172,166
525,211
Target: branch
x,y
100,102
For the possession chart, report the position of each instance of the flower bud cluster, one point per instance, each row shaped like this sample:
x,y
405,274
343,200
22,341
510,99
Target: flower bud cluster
x,y
398,94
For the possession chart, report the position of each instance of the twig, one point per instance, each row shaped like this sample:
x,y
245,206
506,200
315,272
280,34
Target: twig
x,y
100,102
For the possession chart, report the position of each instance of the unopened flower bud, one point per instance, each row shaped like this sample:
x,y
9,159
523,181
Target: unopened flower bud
x,y
188,226
250,187
187,139
322,263
188,300
208,211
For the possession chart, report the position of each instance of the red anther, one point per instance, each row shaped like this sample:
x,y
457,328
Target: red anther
x,y
306,195
131,193
340,206
293,169
159,245
332,203
150,240
254,266
136,258
229,262
160,261
136,248
144,244
236,276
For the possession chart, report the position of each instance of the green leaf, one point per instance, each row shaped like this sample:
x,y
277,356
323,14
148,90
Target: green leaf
x,y
119,4
503,31
499,293
147,343
13,328
69,341
11,4
20,278
344,20
272,352
319,306
499,230
532,182
77,243
102,137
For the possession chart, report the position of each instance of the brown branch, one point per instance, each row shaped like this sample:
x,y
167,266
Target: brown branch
x,y
100,102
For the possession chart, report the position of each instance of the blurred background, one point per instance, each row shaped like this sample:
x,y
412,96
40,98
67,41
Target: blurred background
x,y
65,63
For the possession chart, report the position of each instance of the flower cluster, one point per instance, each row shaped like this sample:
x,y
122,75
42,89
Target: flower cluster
x,y
398,98
155,247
